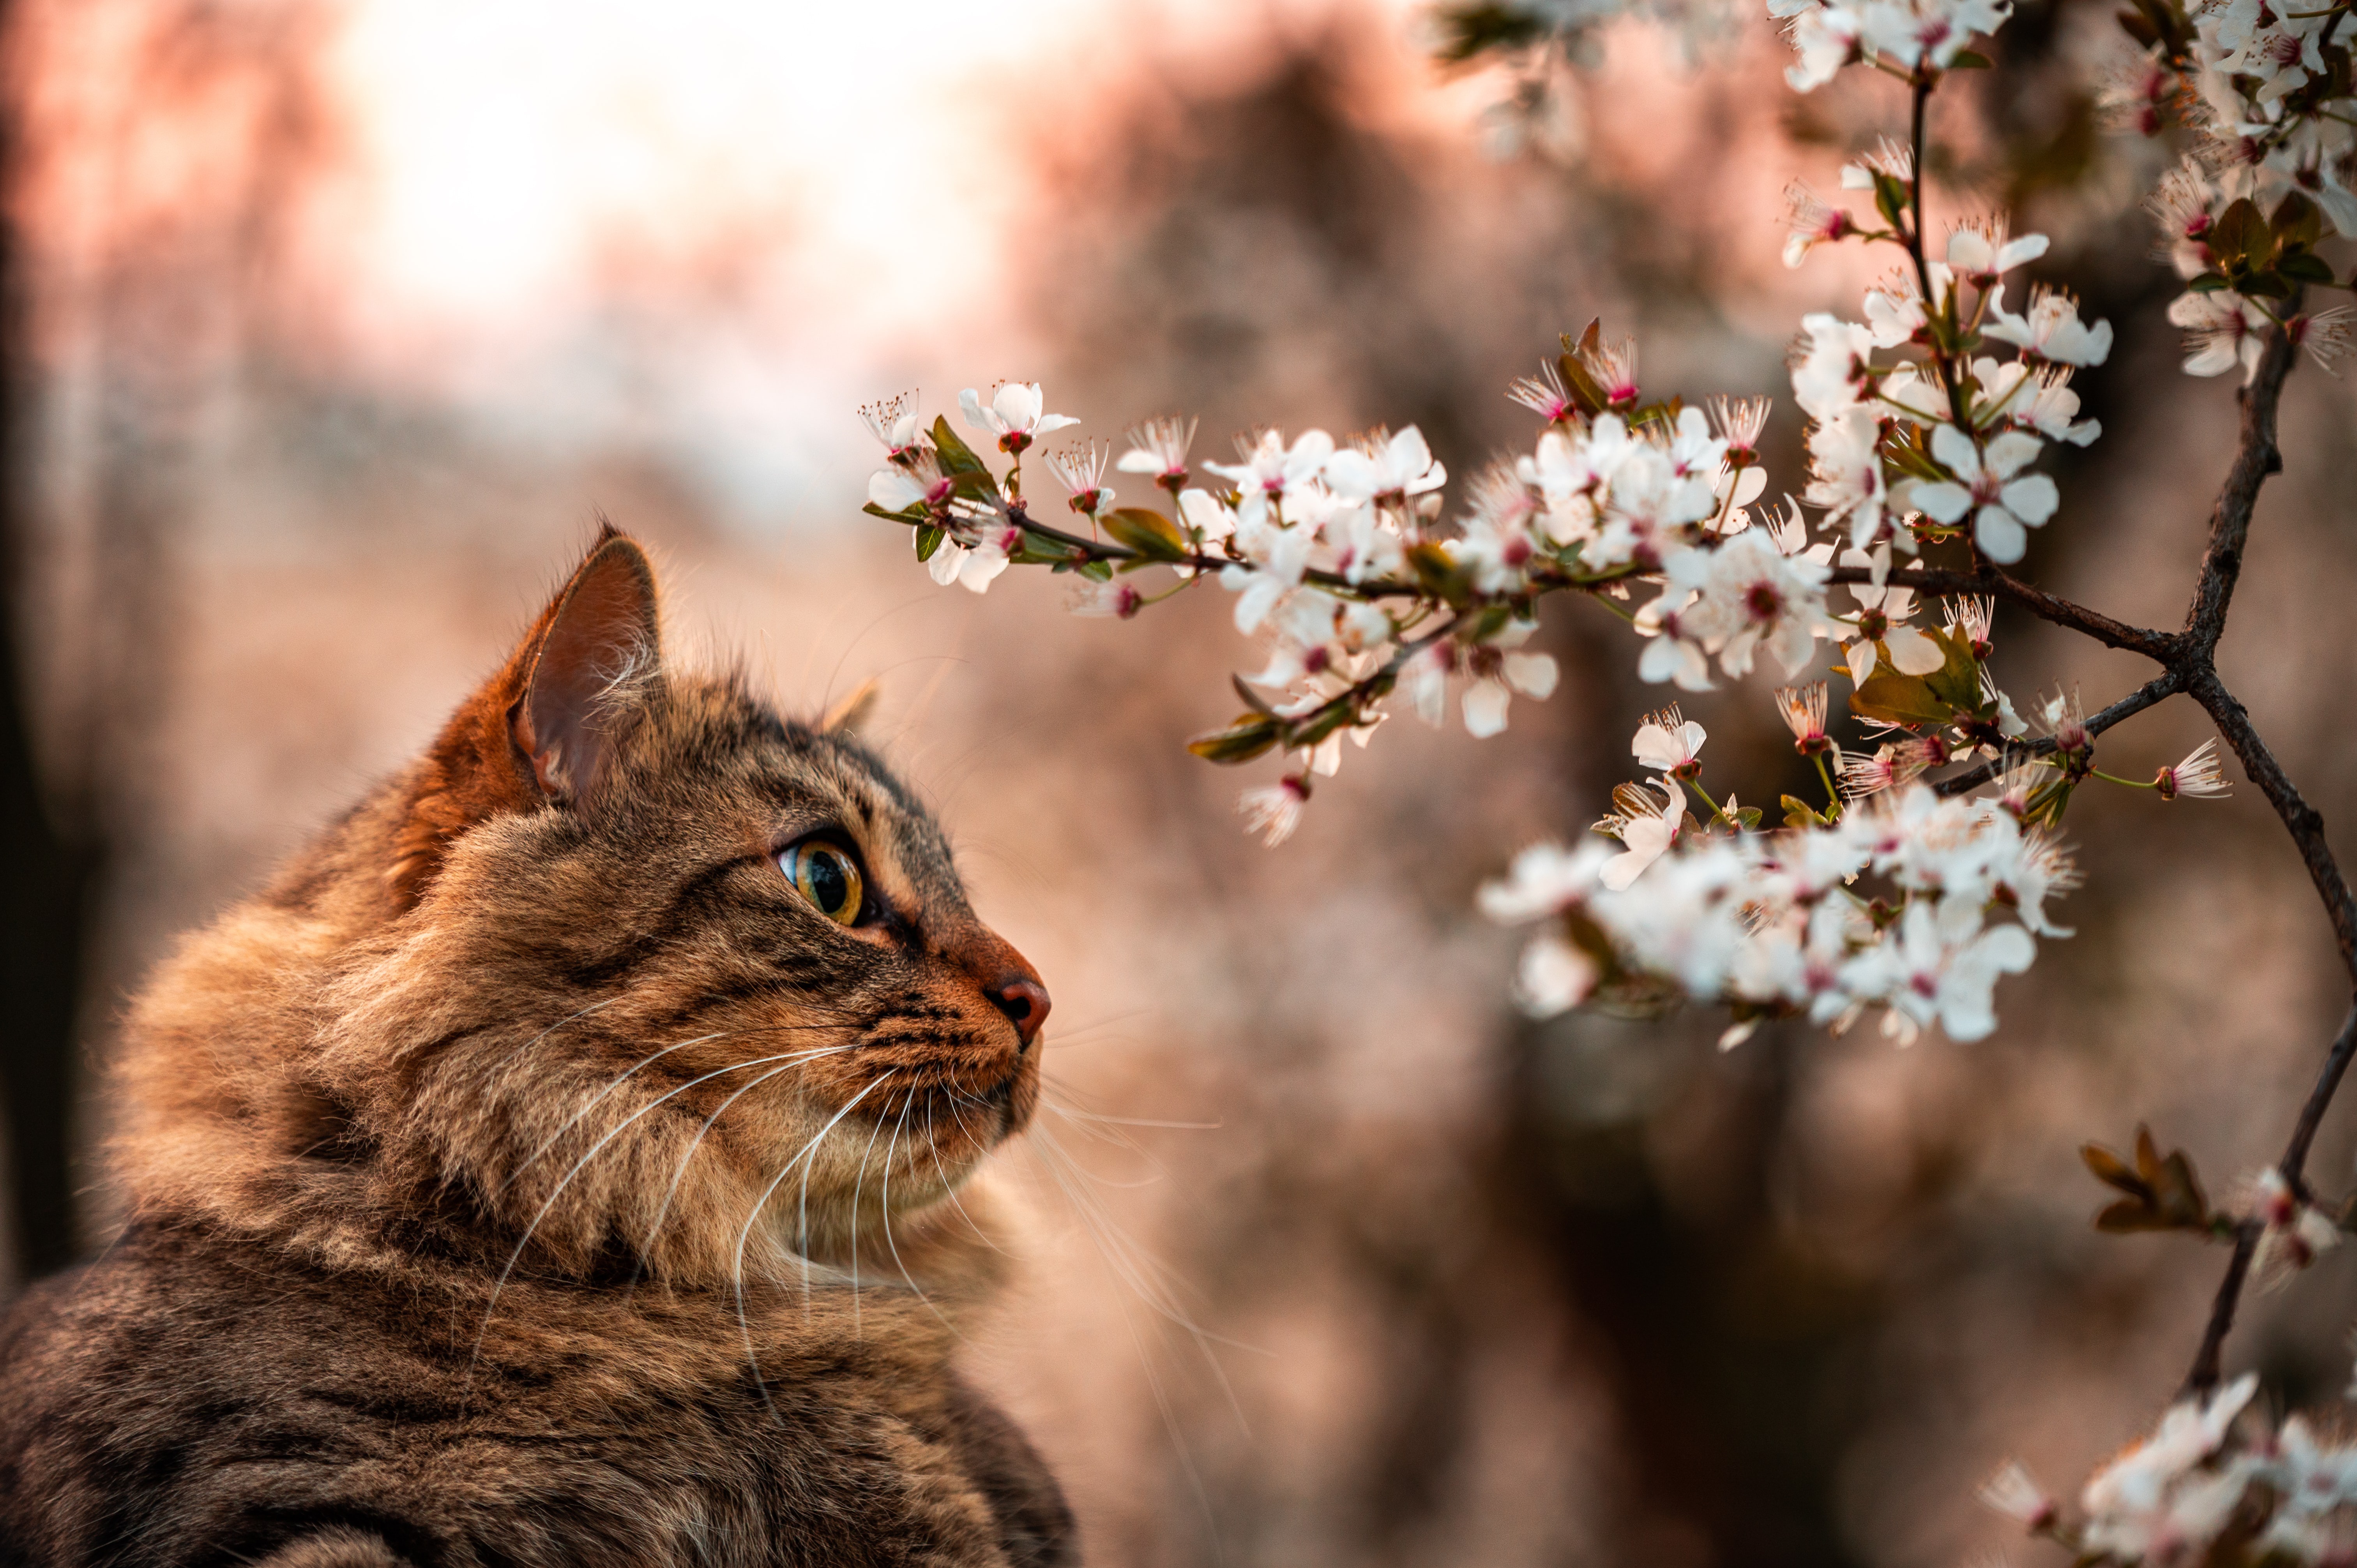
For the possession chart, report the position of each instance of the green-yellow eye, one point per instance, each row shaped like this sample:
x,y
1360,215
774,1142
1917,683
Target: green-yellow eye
x,y
826,876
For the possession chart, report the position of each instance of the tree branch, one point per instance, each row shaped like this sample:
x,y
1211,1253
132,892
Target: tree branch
x,y
2204,1375
2255,457
2161,685
2160,645
2311,1115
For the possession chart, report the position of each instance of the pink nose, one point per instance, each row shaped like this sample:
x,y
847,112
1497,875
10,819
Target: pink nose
x,y
1023,999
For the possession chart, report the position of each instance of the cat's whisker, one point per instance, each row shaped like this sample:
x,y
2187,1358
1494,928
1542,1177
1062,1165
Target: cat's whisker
x,y
647,1250
1048,1089
570,1017
599,1098
1153,1280
1108,1130
888,1241
1162,1405
933,1140
491,1307
737,1268
857,1332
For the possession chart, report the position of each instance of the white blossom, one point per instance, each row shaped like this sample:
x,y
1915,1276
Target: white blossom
x,y
1013,415
2051,331
2002,506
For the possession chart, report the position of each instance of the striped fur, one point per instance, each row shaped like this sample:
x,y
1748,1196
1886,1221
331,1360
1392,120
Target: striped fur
x,y
530,1175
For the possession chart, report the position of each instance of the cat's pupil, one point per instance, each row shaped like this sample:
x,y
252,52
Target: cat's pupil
x,y
828,886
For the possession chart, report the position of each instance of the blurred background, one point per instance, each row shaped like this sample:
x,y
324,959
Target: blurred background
x,y
330,329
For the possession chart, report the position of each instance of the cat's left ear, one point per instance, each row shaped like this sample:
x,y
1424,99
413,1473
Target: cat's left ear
x,y
543,727
600,649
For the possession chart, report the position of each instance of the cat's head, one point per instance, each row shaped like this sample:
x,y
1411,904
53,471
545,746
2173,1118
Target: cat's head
x,y
626,972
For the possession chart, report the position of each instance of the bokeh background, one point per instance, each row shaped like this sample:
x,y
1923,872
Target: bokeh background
x,y
334,326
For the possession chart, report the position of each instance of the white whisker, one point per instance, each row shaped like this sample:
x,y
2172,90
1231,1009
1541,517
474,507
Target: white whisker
x,y
743,1322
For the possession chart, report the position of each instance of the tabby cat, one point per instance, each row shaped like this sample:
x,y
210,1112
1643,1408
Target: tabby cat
x,y
558,1164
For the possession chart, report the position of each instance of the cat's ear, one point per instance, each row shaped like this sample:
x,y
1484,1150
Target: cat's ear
x,y
542,729
851,715
600,641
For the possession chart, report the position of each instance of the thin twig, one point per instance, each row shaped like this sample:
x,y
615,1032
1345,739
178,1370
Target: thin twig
x,y
2255,457
2136,702
2204,1375
2311,1115
2158,646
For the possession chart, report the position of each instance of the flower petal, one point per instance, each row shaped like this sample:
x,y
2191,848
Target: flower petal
x,y
1912,653
1955,451
1485,708
1532,673
2032,498
1942,502
2000,536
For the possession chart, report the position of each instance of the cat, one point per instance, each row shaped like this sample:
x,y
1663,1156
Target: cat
x,y
560,1162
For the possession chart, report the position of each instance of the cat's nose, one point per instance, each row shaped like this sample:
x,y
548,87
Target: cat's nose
x,y
1020,996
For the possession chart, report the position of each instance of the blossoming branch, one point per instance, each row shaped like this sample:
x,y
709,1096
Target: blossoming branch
x,y
1924,869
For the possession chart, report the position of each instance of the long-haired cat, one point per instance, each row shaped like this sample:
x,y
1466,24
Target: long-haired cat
x,y
558,1164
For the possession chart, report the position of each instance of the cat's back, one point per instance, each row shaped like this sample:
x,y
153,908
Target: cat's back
x,y
190,1399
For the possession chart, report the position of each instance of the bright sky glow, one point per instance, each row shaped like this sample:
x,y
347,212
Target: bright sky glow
x,y
786,208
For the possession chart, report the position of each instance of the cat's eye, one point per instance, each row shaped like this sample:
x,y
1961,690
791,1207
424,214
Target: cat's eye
x,y
828,877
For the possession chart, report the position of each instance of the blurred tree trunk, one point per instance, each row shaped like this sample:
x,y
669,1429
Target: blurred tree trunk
x,y
48,871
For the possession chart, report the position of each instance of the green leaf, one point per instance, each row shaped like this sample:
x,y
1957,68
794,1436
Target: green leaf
x,y
2265,285
974,484
1969,59
1096,570
1892,199
1750,817
928,539
1039,549
1438,575
1308,732
2206,283
1253,699
2303,266
907,514
1958,681
1583,387
2298,223
1896,699
1487,624
1149,533
2241,235
1799,813
1251,734
957,457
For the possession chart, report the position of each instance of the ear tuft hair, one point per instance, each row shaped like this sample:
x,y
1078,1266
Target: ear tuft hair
x,y
851,714
601,643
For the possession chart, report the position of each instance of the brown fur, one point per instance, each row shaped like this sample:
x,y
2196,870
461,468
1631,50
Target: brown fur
x,y
531,1175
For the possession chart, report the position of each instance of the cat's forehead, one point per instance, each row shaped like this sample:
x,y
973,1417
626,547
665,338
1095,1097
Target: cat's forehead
x,y
810,778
